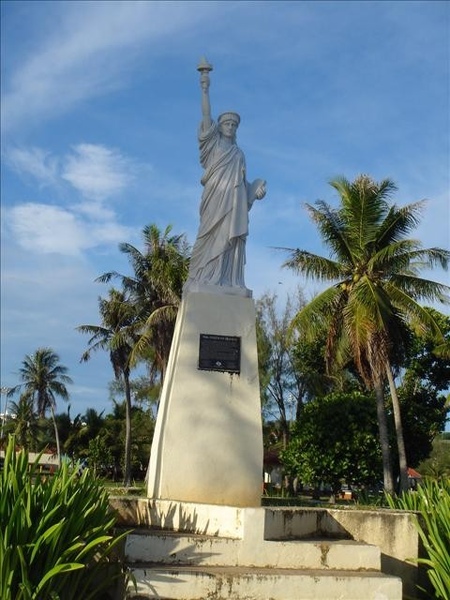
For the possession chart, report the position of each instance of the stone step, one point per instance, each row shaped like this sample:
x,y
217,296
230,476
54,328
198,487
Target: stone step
x,y
191,582
172,548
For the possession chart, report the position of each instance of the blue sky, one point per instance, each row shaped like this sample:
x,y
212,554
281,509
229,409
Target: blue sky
x,y
100,107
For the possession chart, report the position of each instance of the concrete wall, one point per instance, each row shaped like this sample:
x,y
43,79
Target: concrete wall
x,y
392,531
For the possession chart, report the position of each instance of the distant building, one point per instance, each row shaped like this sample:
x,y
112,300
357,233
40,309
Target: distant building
x,y
414,478
48,461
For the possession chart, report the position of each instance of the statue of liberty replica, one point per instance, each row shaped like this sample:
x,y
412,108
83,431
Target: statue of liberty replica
x,y
207,446
218,256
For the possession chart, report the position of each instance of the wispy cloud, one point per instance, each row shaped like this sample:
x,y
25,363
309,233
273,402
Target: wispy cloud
x,y
97,172
35,162
46,229
93,50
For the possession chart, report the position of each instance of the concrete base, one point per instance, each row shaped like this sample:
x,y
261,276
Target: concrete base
x,y
208,446
266,535
231,583
153,546
198,551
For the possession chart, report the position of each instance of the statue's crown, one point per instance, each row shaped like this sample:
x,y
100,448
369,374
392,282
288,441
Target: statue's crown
x,y
229,116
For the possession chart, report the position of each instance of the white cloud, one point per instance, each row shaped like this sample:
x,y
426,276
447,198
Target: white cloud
x,y
97,171
109,233
95,211
44,229
36,162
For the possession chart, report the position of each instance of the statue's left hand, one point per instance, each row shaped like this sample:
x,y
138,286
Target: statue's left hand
x,y
260,190
256,190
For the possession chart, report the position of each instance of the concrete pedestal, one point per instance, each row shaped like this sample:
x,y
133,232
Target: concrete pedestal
x,y
208,444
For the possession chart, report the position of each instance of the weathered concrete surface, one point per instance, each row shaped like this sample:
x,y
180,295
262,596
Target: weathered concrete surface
x,y
234,583
159,546
393,532
226,521
208,444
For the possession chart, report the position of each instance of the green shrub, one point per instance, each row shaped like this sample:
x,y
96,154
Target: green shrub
x,y
56,537
432,501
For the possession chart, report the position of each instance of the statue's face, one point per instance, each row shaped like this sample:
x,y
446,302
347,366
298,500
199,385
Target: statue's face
x,y
228,128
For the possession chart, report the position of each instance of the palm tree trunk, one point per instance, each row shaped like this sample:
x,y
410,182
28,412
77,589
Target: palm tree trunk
x,y
127,465
58,447
403,465
388,479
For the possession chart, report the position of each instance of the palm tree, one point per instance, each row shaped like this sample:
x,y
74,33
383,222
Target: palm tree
x,y
83,428
115,335
376,289
155,290
4,391
43,379
24,423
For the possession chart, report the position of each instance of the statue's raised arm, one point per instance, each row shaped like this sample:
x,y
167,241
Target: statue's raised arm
x,y
204,68
218,256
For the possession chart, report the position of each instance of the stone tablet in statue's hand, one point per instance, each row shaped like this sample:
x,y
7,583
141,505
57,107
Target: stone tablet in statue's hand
x,y
258,189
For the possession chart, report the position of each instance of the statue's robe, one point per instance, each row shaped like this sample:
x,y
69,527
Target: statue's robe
x,y
218,255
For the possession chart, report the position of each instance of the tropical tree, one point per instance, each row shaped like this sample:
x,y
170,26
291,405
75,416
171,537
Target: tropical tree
x,y
43,379
46,427
422,391
437,465
100,454
4,391
423,417
376,289
427,362
142,422
115,334
335,442
83,429
145,395
281,384
24,423
113,433
154,289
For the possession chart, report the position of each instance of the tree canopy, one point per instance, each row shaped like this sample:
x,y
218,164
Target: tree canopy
x,y
376,289
335,442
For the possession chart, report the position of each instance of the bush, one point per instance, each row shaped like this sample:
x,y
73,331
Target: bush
x,y
56,540
432,501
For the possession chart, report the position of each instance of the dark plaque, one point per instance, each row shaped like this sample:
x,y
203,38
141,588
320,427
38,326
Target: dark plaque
x,y
219,353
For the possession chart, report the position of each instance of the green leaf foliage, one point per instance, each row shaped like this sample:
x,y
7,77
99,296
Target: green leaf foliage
x,y
57,540
335,440
43,379
438,463
432,501
375,294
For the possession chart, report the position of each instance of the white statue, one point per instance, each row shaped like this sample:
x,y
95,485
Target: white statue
x,y
218,256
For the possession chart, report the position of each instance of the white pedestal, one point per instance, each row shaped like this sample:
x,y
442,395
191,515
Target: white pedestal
x,y
207,446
